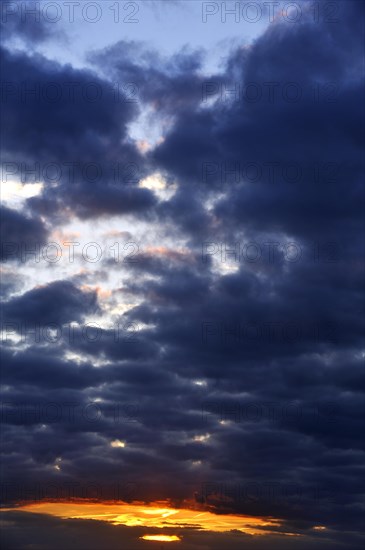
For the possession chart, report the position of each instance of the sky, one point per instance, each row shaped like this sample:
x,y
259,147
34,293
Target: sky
x,y
182,315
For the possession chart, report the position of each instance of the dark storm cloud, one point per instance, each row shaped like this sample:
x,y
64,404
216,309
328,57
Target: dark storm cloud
x,y
42,371
319,298
303,131
19,233
58,303
68,128
101,201
54,123
264,355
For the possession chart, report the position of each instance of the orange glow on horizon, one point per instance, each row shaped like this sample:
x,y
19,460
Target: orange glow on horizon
x,y
158,515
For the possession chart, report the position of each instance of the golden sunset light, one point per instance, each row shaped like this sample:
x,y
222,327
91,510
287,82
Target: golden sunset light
x,y
158,515
161,538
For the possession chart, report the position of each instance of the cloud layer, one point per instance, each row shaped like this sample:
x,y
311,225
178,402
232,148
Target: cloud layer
x,y
228,356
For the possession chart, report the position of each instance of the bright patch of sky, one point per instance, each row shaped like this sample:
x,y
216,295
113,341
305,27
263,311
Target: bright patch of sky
x,y
165,25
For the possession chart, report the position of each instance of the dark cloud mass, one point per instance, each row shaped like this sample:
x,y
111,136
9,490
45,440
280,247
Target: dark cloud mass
x,y
19,232
71,130
59,302
229,356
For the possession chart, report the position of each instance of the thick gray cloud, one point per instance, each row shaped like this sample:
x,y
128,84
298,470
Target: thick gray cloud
x,y
261,352
70,133
20,233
